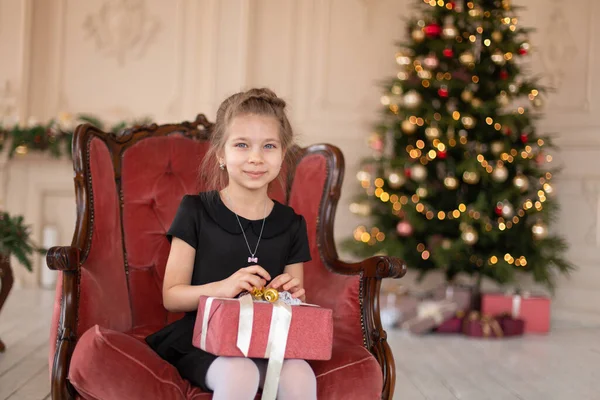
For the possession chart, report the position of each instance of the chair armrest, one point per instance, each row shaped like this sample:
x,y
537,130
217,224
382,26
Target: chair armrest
x,y
374,267
65,259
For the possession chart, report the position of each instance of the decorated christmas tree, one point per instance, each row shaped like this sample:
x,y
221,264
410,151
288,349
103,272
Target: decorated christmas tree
x,y
459,178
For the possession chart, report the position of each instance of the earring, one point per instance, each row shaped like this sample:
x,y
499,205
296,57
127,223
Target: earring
x,y
222,165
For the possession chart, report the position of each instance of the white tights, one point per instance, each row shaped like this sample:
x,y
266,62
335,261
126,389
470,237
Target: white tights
x,y
233,378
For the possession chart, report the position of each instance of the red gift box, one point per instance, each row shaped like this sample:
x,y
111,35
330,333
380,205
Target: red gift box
x,y
534,310
511,326
310,334
452,325
484,326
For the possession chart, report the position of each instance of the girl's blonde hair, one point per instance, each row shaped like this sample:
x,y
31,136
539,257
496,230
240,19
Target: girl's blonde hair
x,y
262,102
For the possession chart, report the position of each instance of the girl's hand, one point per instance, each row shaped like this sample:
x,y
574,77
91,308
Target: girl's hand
x,y
244,279
288,283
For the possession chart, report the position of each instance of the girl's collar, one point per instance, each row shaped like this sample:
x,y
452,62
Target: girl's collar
x,y
277,222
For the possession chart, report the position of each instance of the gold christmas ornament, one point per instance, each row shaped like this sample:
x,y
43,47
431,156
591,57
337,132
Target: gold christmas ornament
x,y
257,293
497,36
539,230
418,172
424,74
449,31
396,179
412,99
418,35
363,176
432,132
498,58
468,122
507,210
500,174
451,182
21,150
475,12
469,235
466,95
408,127
476,102
537,102
497,147
471,177
503,99
422,192
403,59
271,295
521,182
362,209
466,58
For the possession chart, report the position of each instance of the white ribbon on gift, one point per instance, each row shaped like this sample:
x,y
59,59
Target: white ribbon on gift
x,y
435,309
276,343
517,299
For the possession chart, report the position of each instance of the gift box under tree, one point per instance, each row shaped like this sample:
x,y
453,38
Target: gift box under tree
x,y
534,310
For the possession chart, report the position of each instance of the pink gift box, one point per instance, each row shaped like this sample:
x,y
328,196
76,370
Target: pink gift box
x,y
534,310
310,335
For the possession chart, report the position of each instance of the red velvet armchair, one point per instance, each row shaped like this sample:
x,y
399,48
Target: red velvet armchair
x,y
108,298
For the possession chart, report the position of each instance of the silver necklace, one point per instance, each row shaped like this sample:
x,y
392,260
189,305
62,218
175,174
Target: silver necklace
x,y
252,257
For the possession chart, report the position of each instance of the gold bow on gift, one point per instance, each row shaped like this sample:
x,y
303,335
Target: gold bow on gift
x,y
270,295
488,324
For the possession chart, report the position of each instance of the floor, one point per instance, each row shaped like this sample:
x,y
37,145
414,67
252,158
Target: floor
x,y
563,365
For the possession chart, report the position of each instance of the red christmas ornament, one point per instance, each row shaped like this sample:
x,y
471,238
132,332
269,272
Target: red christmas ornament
x,y
404,228
407,172
524,138
443,92
433,30
503,74
498,210
507,131
448,52
442,154
522,51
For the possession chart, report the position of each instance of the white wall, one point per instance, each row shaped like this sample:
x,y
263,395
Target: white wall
x,y
170,60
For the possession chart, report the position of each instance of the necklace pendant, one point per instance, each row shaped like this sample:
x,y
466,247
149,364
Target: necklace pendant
x,y
253,259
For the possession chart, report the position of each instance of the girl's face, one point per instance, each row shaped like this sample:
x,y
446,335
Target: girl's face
x,y
252,152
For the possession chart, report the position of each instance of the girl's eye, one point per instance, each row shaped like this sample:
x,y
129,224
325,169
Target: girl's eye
x,y
270,146
241,145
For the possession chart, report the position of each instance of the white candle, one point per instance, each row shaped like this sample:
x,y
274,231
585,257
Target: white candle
x,y
50,239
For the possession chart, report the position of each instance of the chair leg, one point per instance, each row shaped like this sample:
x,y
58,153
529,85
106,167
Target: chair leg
x,y
6,283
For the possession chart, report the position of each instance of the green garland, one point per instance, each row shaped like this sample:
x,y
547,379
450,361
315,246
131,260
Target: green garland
x,y
54,137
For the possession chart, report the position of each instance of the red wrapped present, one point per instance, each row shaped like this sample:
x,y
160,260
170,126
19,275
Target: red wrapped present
x,y
511,326
534,310
484,326
275,330
452,325
225,329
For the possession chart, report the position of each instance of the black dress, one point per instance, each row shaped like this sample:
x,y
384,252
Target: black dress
x,y
205,223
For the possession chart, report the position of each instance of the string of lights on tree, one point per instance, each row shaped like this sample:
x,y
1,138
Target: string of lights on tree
x,y
459,179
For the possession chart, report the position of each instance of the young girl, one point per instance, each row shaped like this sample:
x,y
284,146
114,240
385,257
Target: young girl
x,y
232,240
